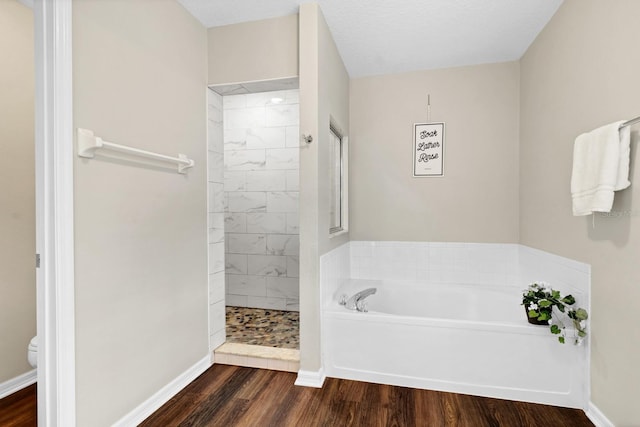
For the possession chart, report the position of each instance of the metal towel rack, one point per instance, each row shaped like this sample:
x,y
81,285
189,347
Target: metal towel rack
x,y
88,143
630,122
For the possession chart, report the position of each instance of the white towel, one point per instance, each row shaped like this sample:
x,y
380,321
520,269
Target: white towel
x,y
600,167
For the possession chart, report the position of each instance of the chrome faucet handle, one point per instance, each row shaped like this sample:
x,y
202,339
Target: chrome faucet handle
x,y
343,299
362,306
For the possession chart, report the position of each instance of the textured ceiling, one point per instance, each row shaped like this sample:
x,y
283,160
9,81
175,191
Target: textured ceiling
x,y
392,36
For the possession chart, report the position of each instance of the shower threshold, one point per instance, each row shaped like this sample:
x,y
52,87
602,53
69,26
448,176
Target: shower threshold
x,y
258,356
261,338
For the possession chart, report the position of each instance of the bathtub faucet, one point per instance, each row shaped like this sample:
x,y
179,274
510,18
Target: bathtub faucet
x,y
357,302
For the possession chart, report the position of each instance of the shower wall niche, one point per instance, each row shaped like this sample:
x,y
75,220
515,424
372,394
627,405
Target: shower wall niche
x,y
261,175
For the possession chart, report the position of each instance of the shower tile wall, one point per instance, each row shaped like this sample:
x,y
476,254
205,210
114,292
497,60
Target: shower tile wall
x,y
215,174
261,143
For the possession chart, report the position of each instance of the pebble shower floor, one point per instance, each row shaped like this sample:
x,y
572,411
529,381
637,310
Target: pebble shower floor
x,y
269,328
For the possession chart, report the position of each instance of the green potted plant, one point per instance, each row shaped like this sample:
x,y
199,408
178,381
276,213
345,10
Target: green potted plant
x,y
546,306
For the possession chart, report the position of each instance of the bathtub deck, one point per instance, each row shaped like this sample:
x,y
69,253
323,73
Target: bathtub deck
x,y
235,396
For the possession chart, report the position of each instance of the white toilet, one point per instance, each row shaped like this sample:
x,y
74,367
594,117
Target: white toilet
x,y
32,353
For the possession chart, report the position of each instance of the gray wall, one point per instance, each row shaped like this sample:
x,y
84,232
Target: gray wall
x,y
477,199
581,73
139,78
17,189
252,51
324,95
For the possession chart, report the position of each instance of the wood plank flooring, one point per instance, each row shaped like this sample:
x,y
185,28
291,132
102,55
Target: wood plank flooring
x,y
20,409
236,396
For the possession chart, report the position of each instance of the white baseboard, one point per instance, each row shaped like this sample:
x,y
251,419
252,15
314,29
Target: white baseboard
x,y
163,395
310,378
597,417
18,383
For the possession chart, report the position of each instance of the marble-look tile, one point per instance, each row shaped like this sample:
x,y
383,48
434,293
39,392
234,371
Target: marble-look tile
x,y
217,338
214,99
214,137
217,316
245,160
292,96
234,101
282,115
282,201
293,180
266,180
265,302
235,139
283,287
292,304
282,158
283,244
216,287
276,97
215,167
293,266
258,138
260,99
214,114
235,222
246,285
266,223
247,243
235,181
216,220
247,145
216,235
236,300
230,89
292,137
267,265
235,264
290,83
216,197
293,223
216,257
254,117
245,201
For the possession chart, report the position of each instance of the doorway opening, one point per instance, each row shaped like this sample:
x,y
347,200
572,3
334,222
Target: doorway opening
x,y
253,174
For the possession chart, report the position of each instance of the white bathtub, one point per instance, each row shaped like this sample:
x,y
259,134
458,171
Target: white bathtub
x,y
463,338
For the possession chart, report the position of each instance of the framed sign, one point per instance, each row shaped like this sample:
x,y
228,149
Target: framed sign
x,y
428,149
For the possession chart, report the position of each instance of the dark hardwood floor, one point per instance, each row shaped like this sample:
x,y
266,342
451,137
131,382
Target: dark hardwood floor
x,y
235,396
20,409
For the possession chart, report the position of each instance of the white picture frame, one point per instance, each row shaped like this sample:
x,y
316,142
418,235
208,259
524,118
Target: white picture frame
x,y
428,150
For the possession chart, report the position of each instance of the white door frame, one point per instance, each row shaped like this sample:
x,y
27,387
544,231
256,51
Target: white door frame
x,y
54,214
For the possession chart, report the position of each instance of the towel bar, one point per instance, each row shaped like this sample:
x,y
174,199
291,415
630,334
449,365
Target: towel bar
x,y
88,143
630,122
